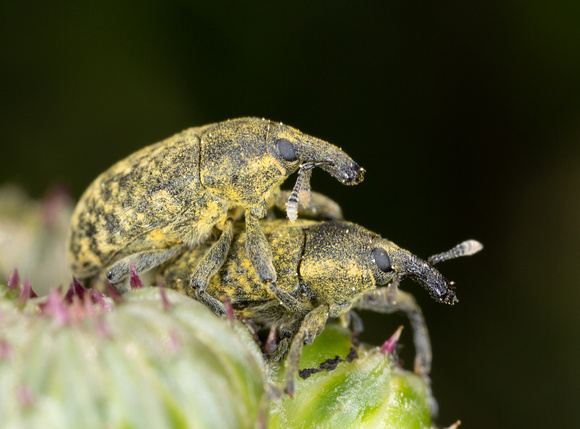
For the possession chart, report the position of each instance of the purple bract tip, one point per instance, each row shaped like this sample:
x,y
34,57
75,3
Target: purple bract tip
x,y
164,299
55,307
26,293
75,289
136,282
113,293
231,316
13,279
389,345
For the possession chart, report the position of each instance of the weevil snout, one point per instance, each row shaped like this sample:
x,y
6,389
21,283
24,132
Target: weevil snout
x,y
352,174
438,286
431,279
425,274
349,173
332,160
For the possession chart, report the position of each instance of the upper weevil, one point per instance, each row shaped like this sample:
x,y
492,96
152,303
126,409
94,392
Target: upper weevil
x,y
150,206
325,269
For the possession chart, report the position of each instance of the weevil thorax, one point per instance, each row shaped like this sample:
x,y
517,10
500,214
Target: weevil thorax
x,y
238,165
334,265
244,160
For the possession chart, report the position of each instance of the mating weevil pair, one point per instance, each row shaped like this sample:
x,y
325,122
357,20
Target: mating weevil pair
x,y
159,207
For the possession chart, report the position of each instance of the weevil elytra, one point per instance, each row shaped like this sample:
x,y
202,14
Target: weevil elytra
x,y
152,205
326,269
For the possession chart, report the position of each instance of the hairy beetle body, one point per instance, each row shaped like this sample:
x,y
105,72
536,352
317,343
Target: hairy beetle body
x,y
327,268
150,206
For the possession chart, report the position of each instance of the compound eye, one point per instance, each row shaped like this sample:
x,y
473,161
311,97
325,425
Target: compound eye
x,y
381,259
286,150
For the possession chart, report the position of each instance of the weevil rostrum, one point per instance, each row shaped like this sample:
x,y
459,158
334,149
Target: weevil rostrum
x,y
325,269
152,205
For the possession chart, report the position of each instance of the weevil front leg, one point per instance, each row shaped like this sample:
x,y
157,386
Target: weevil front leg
x,y
391,299
260,255
209,265
287,332
318,207
382,301
118,273
311,327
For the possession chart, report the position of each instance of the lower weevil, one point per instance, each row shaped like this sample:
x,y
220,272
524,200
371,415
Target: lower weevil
x,y
325,269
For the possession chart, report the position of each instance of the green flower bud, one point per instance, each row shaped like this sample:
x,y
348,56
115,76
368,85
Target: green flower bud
x,y
361,389
141,363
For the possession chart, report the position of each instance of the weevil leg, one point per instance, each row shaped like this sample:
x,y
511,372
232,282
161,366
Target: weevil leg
x,y
354,320
280,351
380,300
319,206
391,299
260,255
209,265
118,273
258,249
287,332
311,327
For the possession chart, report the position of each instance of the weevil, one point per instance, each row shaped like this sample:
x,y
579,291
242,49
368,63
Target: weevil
x,y
326,269
152,205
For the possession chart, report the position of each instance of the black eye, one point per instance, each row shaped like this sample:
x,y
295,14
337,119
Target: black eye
x,y
381,259
286,150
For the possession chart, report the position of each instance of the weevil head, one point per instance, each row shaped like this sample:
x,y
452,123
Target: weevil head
x,y
294,149
342,260
334,267
243,160
392,263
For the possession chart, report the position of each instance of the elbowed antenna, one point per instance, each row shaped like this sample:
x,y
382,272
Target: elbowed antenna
x,y
467,248
301,191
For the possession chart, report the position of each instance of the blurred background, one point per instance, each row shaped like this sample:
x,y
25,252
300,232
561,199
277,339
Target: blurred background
x,y
466,116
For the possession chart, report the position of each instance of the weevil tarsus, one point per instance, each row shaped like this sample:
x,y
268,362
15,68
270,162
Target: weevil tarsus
x,y
118,273
286,335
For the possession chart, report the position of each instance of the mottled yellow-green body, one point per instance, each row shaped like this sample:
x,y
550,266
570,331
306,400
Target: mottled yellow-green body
x,y
152,199
238,280
151,205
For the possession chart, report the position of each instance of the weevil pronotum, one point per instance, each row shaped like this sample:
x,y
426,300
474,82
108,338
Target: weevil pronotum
x,y
325,269
151,206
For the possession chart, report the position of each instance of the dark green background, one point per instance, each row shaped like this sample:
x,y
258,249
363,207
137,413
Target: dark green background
x,y
465,114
